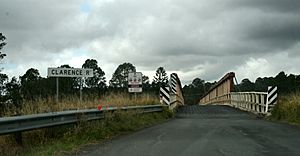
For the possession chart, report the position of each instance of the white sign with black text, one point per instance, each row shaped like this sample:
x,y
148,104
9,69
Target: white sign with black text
x,y
135,82
70,72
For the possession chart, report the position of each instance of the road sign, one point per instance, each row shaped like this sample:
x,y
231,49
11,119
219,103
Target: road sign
x,y
70,72
135,90
135,82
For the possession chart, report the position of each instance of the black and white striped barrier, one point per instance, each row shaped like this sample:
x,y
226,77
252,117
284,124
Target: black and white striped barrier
x,y
172,94
271,98
164,94
173,83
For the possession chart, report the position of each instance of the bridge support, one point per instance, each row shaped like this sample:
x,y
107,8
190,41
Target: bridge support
x,y
172,95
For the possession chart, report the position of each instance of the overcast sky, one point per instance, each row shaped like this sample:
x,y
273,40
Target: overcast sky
x,y
194,38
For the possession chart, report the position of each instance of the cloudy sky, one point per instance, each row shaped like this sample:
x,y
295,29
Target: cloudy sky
x,y
195,38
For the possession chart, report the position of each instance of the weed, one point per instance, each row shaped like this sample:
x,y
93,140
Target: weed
x,y
73,102
288,109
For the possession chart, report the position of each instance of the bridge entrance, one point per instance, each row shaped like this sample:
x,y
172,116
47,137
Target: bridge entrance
x,y
222,93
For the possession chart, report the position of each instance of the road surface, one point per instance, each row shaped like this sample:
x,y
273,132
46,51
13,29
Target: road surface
x,y
206,130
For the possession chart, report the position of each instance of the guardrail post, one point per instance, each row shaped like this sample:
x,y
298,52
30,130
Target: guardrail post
x,y
18,138
18,135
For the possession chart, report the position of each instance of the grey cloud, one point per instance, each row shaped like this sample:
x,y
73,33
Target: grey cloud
x,y
47,27
198,38
270,5
282,31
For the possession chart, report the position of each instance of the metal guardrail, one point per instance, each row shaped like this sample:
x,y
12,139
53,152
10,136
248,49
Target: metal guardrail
x,y
36,121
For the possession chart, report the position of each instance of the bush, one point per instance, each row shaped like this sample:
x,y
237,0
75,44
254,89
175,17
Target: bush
x,y
288,109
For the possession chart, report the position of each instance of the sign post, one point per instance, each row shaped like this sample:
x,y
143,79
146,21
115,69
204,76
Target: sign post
x,y
81,83
135,83
57,83
69,72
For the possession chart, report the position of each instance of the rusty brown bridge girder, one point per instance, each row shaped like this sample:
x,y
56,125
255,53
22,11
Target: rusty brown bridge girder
x,y
220,92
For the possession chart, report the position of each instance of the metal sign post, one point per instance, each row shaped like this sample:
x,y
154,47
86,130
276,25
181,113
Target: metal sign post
x,y
57,86
81,83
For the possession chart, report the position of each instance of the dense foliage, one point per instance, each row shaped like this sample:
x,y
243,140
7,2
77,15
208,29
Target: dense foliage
x,y
31,86
192,92
2,44
286,84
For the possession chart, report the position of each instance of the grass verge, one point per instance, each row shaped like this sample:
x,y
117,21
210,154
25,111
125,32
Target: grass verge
x,y
41,105
287,109
68,139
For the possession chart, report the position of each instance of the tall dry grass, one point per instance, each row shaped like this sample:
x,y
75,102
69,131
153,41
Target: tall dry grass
x,y
288,109
73,102
52,139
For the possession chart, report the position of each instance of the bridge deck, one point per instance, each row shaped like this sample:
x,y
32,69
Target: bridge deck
x,y
206,130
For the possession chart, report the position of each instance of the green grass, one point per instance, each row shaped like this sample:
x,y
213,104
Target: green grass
x,y
287,109
70,138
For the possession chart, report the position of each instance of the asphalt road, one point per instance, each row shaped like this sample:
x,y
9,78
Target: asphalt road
x,y
206,130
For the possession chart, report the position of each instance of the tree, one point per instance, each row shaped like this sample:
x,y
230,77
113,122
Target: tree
x,y
198,83
246,85
68,85
3,77
194,91
31,75
281,82
98,80
291,83
297,83
2,44
260,85
13,89
146,82
160,78
120,76
3,81
145,79
29,82
199,86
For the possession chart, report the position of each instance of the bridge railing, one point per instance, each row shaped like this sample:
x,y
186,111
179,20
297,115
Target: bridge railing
x,y
220,91
249,101
225,98
255,102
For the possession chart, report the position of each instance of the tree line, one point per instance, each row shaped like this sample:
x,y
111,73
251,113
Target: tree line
x,y
286,84
32,85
